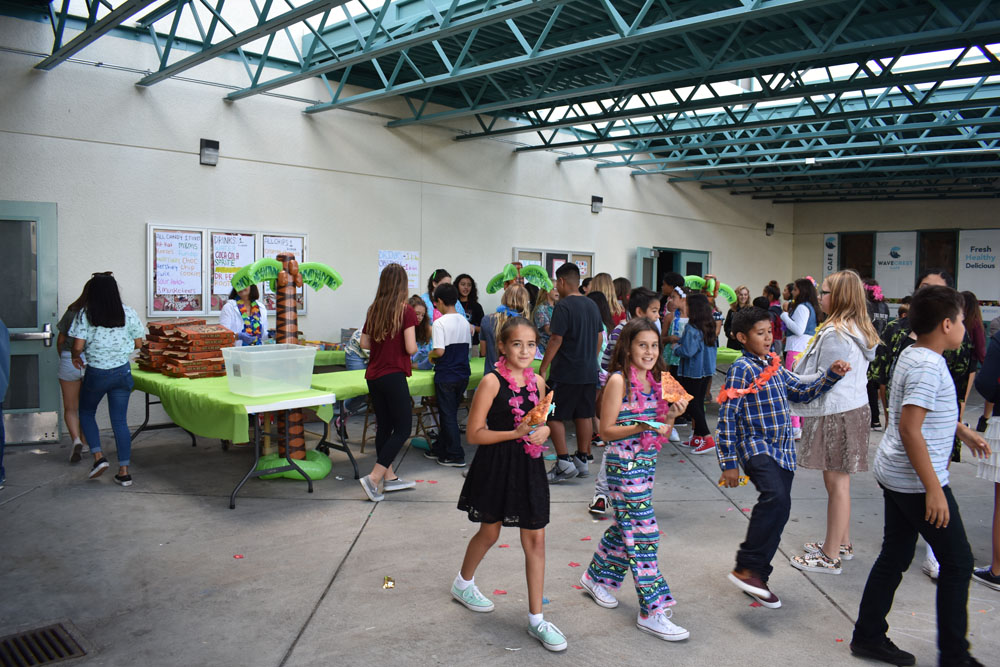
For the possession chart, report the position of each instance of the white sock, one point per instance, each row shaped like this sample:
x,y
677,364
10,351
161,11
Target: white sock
x,y
461,584
534,619
78,442
930,554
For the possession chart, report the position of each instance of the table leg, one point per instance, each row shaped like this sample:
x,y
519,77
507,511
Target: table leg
x,y
253,466
145,426
325,445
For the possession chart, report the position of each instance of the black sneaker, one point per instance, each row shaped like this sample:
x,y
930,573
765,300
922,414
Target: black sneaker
x,y
886,652
985,576
453,463
429,454
75,454
876,424
100,465
967,661
124,480
981,424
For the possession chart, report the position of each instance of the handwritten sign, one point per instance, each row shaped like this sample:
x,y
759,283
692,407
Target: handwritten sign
x,y
408,259
230,253
178,262
272,246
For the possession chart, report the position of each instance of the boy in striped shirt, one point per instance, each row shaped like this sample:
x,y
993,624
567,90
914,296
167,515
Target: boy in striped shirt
x,y
911,466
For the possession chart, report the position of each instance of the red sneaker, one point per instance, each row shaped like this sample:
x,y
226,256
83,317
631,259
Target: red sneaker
x,y
694,442
707,445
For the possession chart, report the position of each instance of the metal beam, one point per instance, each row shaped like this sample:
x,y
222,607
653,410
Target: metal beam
x,y
112,20
373,52
812,173
743,64
262,29
717,19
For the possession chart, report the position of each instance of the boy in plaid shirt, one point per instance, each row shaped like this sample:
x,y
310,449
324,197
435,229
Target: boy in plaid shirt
x,y
755,431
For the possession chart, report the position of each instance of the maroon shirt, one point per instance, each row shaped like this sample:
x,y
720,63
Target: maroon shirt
x,y
389,356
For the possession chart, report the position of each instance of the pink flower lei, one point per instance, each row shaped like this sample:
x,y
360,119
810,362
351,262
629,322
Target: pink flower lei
x,y
531,449
876,292
648,439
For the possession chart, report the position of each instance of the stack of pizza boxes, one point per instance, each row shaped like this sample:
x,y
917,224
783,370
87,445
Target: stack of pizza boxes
x,y
152,355
195,350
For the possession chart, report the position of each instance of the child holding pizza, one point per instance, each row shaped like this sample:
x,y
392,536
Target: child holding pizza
x,y
755,431
507,485
635,423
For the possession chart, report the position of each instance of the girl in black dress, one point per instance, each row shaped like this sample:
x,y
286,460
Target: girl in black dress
x,y
506,484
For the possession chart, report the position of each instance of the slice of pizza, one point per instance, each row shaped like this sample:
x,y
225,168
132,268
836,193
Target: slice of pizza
x,y
540,413
671,390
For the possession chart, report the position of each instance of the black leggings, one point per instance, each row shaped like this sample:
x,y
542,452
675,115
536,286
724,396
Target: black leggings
x,y
696,408
393,415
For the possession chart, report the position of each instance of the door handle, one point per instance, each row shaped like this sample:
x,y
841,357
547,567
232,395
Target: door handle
x,y
44,335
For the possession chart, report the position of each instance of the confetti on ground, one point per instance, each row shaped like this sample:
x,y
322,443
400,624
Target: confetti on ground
x,y
499,591
754,604
339,478
729,509
577,587
572,564
388,582
585,539
432,481
502,546
418,480
371,628
744,509
680,460
507,648
545,600
238,556
839,639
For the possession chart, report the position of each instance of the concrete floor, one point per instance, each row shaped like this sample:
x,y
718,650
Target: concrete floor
x,y
148,575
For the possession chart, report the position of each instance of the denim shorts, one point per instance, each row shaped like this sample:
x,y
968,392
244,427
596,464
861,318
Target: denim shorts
x,y
67,371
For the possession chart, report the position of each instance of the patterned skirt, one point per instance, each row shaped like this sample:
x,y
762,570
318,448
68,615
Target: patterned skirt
x,y
989,467
837,442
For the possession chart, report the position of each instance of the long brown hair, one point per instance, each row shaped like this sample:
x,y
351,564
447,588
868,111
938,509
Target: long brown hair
x,y
385,315
603,283
621,357
423,328
849,305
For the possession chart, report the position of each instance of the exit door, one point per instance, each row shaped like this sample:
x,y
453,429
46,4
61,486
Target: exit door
x,y
652,263
28,237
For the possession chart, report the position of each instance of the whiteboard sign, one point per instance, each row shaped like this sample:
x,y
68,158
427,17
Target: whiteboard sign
x,y
408,259
175,261
230,251
273,245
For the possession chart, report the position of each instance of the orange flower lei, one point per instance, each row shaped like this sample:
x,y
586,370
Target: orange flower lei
x,y
762,379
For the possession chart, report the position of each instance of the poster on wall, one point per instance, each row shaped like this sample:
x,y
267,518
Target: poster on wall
x,y
230,252
175,284
896,262
831,253
273,245
408,259
977,263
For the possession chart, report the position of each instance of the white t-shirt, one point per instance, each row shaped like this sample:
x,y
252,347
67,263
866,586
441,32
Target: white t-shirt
x,y
921,378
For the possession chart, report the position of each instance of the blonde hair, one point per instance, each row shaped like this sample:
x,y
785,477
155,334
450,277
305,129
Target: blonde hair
x,y
516,298
603,283
849,305
736,304
385,315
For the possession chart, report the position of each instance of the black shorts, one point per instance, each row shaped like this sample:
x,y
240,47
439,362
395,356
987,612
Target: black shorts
x,y
574,401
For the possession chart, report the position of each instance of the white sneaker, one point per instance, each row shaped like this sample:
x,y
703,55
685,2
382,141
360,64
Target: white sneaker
x,y
582,466
660,625
674,435
931,568
601,594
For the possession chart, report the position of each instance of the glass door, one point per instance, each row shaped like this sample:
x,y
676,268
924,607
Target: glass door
x,y
693,263
28,264
645,268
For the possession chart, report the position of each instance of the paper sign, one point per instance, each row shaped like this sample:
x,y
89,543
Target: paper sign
x,y
230,253
274,245
584,266
977,264
408,259
178,262
896,262
831,254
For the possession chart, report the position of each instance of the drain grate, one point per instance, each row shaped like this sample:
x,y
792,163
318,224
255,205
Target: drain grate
x,y
39,646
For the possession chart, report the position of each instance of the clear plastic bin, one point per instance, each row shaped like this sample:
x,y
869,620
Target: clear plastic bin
x,y
263,370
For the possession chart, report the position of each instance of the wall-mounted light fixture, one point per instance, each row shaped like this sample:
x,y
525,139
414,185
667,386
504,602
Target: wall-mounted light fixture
x,y
596,204
769,229
209,153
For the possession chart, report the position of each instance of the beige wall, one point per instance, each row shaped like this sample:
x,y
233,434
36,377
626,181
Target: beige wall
x,y
812,221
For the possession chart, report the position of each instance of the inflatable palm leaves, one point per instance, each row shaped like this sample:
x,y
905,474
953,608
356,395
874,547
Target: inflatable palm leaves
x,y
535,275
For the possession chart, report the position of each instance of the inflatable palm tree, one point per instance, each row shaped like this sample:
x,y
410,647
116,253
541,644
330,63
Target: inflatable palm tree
x,y
535,275
284,274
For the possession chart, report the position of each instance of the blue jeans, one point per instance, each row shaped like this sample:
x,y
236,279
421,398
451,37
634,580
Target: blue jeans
x,y
117,384
449,395
904,520
3,442
774,484
355,363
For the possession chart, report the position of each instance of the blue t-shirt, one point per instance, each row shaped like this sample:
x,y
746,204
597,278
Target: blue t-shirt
x,y
451,333
4,360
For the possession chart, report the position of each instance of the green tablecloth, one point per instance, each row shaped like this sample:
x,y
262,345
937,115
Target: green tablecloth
x,y
330,358
727,355
349,384
205,406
